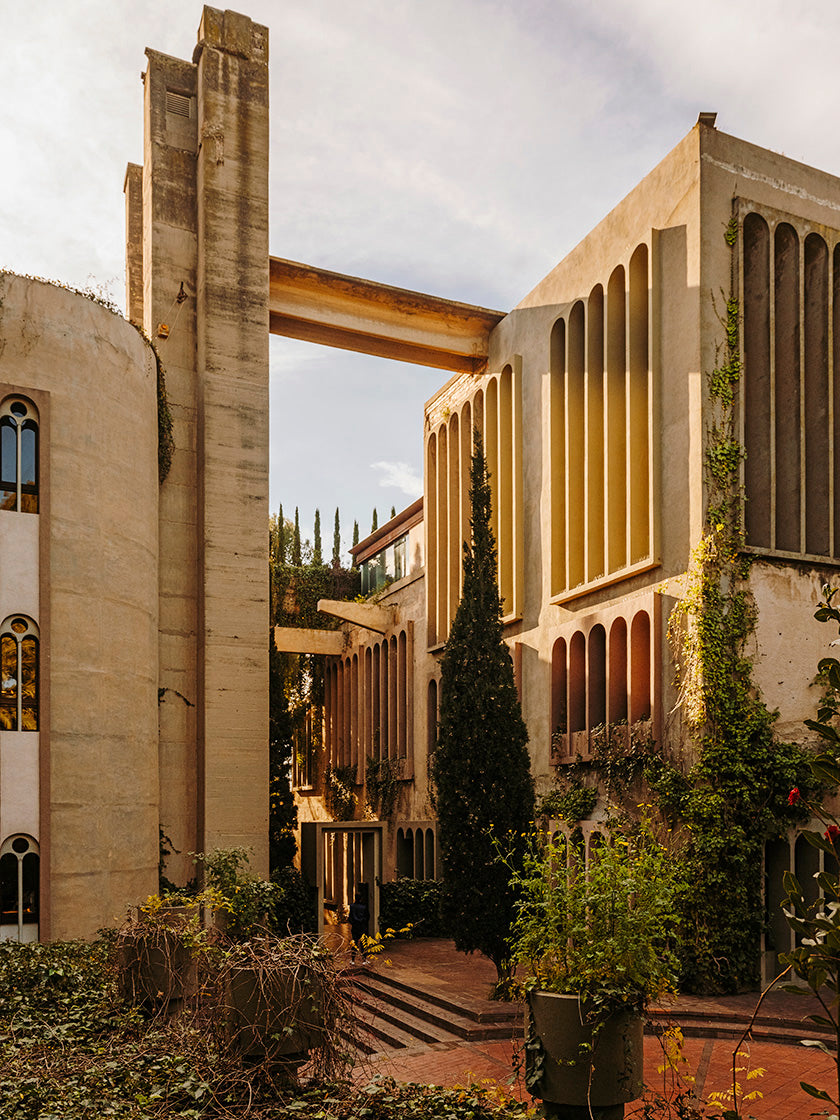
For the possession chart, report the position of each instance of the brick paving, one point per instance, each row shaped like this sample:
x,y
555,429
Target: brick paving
x,y
435,966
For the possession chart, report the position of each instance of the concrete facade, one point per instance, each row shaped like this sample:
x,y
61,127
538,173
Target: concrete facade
x,y
146,604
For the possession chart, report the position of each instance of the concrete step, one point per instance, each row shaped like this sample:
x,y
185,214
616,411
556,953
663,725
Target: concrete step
x,y
479,1011
724,1024
397,1015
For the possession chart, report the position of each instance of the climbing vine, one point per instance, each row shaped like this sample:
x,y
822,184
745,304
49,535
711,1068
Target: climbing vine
x,y
382,785
732,796
339,795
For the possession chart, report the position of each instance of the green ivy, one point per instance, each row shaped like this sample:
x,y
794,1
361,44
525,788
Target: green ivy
x,y
382,785
339,792
572,804
733,796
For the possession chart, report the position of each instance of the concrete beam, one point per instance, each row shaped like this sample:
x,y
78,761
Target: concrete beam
x,y
293,639
362,315
369,615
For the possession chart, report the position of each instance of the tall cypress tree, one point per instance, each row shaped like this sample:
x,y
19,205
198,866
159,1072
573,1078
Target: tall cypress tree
x,y
336,553
374,524
317,554
281,538
296,552
355,534
480,768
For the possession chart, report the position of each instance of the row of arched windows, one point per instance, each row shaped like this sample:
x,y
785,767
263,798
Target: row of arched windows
x,y
601,398
415,853
19,674
367,703
790,412
495,412
602,675
18,456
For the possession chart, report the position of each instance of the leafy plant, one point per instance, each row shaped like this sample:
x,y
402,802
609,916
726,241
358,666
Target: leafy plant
x,y
339,795
596,929
414,902
247,900
572,804
480,767
382,784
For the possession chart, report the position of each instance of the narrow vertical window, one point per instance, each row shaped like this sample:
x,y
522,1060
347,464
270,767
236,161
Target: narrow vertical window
x,y
19,889
18,456
18,675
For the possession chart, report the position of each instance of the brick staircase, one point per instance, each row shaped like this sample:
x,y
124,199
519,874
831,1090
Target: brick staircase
x,y
396,1015
718,1023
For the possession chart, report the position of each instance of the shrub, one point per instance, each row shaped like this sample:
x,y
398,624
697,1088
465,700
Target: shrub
x,y
294,902
414,902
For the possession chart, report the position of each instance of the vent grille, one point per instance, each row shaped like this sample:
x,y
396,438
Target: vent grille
x,y
177,103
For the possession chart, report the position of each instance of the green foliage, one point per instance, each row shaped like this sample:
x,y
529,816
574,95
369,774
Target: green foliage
x,y
731,800
294,903
382,785
72,1051
480,768
282,811
374,521
596,929
355,534
166,440
414,902
317,553
816,922
339,792
296,547
572,804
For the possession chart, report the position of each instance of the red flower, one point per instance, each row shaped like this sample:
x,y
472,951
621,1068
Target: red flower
x,y
832,833
794,796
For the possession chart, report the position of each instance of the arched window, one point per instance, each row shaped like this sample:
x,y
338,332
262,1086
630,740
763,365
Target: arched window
x,y
19,889
18,456
18,674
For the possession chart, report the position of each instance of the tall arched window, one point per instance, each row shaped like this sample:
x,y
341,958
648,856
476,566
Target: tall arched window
x,y
19,889
18,674
18,456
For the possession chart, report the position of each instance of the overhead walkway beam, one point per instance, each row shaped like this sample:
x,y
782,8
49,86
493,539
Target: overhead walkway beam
x,y
353,314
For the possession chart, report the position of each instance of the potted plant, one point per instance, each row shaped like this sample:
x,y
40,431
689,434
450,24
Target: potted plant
x,y
284,997
157,950
590,944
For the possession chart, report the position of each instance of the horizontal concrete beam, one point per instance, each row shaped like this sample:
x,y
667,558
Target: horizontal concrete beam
x,y
293,639
352,314
369,615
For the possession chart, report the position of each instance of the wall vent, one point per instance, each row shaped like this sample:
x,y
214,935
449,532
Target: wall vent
x,y
177,103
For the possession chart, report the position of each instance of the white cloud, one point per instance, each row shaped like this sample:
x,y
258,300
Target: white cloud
x,y
401,476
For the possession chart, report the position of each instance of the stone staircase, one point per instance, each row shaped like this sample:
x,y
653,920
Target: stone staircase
x,y
719,1023
394,1015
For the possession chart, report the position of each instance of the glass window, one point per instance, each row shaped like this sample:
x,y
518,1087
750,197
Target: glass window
x,y
18,456
18,675
19,888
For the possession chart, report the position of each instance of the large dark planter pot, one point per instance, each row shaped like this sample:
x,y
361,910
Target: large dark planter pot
x,y
617,1067
155,967
274,1016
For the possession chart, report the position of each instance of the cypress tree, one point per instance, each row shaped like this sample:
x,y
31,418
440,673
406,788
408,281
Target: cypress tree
x,y
317,555
355,533
393,512
281,538
336,553
296,552
374,524
480,767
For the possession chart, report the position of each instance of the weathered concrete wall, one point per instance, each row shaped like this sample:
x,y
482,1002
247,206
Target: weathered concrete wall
x,y
98,621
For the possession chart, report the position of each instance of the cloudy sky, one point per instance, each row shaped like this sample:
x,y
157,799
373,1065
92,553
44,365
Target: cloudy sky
x,y
457,147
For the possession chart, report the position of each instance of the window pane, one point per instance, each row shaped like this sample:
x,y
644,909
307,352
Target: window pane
x,y
8,452
30,887
28,502
29,683
8,667
7,499
29,454
8,889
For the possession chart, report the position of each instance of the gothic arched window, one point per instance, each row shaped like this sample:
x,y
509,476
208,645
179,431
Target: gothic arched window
x,y
18,456
18,674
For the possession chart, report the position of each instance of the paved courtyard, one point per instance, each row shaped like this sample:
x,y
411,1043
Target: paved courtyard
x,y
436,966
